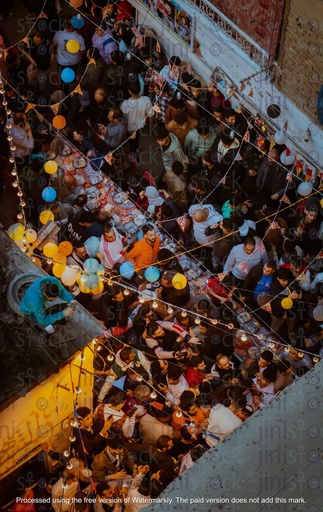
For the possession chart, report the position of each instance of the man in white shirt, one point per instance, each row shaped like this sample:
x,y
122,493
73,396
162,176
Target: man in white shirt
x,y
62,498
243,257
66,59
111,248
222,421
156,424
204,217
176,384
136,109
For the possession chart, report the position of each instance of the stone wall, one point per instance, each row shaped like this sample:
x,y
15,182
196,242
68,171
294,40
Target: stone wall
x,y
300,73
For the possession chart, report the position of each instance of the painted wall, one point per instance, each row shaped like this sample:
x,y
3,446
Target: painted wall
x,y
260,19
41,415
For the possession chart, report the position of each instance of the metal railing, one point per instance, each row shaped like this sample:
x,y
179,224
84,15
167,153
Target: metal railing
x,y
223,23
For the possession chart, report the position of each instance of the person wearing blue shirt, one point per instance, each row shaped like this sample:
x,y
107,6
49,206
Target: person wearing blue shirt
x,y
257,284
38,297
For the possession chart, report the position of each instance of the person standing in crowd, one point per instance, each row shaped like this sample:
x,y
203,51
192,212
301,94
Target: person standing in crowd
x,y
144,252
136,109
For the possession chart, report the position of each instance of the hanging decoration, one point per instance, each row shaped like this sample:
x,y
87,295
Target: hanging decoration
x,y
287,158
287,303
77,21
65,248
59,122
69,276
68,75
91,265
30,106
12,149
73,46
16,232
280,137
179,281
31,236
305,189
152,274
76,3
50,167
127,270
59,258
58,269
92,282
99,289
50,249
49,194
46,216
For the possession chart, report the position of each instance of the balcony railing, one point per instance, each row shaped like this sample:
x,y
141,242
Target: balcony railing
x,y
223,23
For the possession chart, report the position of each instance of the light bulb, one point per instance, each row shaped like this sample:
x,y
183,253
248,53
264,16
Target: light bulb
x,y
8,126
214,321
49,261
126,292
78,390
13,148
139,378
155,304
230,326
94,341
197,321
9,138
20,193
66,453
300,354
271,345
14,173
316,359
243,337
15,184
141,300
22,204
287,349
184,314
74,423
20,216
4,103
11,159
69,466
153,395
72,438
64,486
179,414
110,358
170,310
99,348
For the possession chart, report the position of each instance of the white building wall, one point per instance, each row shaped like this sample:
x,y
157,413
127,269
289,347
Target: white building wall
x,y
220,50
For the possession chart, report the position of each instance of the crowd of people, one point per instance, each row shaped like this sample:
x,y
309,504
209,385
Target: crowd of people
x,y
168,382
